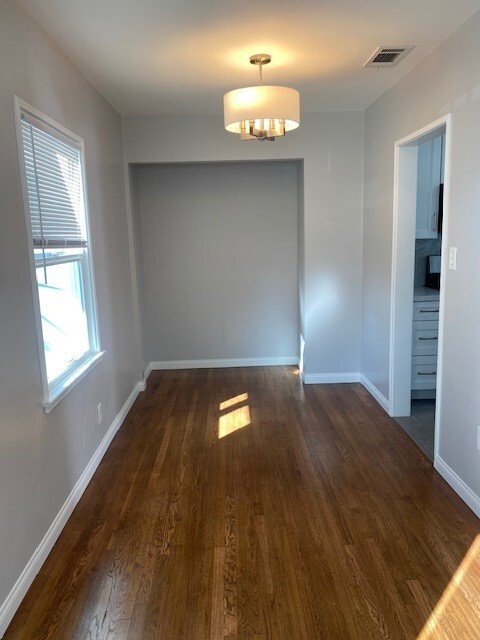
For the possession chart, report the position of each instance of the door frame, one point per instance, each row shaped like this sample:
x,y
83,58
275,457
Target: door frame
x,y
403,256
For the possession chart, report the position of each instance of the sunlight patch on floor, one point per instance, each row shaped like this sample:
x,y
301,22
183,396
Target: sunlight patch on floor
x,y
231,402
236,418
233,421
458,610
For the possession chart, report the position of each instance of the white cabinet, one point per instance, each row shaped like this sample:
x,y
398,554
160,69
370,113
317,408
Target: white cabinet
x,y
425,343
426,309
429,178
425,338
424,373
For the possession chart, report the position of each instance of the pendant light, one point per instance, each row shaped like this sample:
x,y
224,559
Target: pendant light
x,y
263,112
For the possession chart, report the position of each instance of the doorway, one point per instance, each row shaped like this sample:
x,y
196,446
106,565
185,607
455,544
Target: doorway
x,y
420,214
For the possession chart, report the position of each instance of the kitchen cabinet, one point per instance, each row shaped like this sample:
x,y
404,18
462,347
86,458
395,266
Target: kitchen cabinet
x,y
425,339
429,178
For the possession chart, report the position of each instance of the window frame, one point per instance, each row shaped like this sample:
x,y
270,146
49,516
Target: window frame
x,y
57,389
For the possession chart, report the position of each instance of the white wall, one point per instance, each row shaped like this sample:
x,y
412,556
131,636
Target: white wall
x,y
42,456
447,81
219,260
331,145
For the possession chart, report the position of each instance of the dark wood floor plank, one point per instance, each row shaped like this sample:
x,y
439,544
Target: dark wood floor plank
x,y
239,504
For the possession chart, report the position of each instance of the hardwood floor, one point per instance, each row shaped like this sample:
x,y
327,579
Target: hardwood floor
x,y
314,516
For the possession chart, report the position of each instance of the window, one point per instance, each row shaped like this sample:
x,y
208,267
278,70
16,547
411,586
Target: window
x,y
57,229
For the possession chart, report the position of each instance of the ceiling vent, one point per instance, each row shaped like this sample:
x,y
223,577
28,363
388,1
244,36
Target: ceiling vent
x,y
388,56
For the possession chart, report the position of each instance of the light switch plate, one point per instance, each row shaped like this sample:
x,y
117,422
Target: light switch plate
x,y
452,259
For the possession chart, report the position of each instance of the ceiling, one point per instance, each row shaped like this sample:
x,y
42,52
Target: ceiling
x,y
164,57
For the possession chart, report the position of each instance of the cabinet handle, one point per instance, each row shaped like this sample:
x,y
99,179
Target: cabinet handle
x,y
434,338
426,373
429,310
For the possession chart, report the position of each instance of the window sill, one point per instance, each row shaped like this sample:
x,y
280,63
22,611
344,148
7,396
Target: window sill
x,y
61,391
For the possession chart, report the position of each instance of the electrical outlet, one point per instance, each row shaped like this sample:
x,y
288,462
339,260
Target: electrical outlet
x,y
478,437
99,413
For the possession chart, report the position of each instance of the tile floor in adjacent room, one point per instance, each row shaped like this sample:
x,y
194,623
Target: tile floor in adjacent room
x,y
420,425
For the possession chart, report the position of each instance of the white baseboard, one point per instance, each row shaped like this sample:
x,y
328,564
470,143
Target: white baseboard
x,y
373,391
146,374
458,485
16,595
220,364
329,378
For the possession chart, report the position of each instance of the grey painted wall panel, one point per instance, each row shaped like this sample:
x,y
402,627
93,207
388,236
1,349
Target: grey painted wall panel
x,y
219,260
331,145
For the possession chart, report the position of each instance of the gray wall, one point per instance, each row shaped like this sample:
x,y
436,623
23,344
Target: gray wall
x,y
42,456
219,260
137,266
331,146
301,254
448,80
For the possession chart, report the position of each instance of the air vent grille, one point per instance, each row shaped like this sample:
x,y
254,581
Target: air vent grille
x,y
387,56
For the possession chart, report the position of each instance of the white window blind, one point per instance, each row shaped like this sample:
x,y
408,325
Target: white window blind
x,y
55,191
